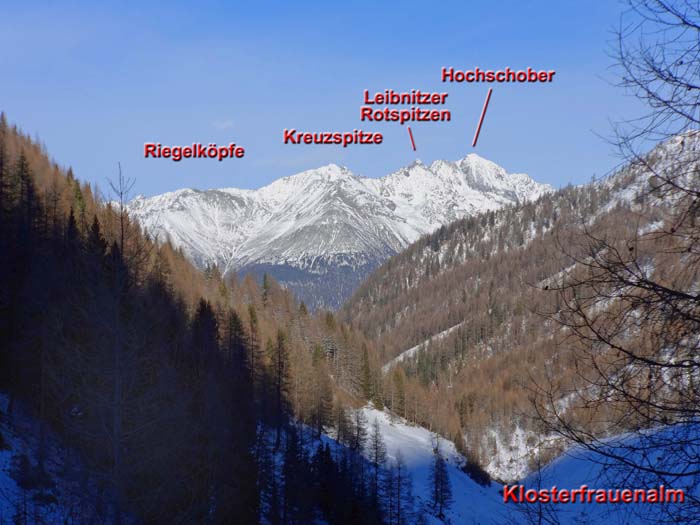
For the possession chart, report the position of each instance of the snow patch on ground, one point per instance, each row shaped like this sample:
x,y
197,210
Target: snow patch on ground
x,y
407,354
61,494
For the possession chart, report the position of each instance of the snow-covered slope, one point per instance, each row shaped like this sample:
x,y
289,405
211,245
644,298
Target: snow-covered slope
x,y
473,503
321,231
60,492
580,467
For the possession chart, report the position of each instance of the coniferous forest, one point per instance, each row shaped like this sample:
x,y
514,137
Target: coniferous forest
x,y
176,396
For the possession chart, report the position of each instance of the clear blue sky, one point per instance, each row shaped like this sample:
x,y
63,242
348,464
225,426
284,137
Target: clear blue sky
x,y
94,82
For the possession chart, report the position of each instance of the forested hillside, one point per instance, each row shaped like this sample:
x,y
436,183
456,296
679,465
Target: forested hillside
x,y
475,304
177,396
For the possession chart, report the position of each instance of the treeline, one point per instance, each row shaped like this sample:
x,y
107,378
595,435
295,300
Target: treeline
x,y
180,397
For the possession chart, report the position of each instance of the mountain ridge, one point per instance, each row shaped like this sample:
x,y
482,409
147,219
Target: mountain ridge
x,y
320,231
463,316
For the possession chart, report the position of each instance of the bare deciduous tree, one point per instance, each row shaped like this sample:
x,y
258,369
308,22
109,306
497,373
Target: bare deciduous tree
x,y
630,307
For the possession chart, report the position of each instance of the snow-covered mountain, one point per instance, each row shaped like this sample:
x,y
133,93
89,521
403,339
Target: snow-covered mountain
x,y
320,232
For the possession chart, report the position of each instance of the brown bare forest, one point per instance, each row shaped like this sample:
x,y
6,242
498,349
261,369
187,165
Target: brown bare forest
x,y
172,388
477,298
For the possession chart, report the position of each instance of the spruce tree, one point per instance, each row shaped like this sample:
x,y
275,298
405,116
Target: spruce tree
x,y
96,244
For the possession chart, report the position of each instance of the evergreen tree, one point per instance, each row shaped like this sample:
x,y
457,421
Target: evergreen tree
x,y
240,478
3,164
270,492
377,457
325,474
204,337
440,482
398,493
398,401
358,439
79,204
296,506
265,289
96,244
343,424
280,371
366,378
104,343
323,394
254,344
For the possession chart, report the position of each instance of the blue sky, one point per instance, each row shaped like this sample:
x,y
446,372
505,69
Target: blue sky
x,y
94,82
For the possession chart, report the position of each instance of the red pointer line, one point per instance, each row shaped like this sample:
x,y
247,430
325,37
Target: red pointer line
x,y
410,134
481,120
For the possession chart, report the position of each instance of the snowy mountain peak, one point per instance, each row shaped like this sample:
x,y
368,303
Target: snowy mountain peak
x,y
415,168
416,163
472,159
322,230
329,171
